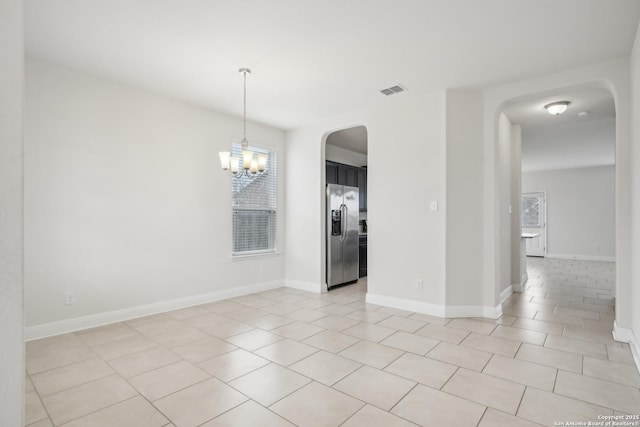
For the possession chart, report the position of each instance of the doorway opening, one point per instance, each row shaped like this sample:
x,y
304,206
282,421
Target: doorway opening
x,y
567,186
346,206
534,223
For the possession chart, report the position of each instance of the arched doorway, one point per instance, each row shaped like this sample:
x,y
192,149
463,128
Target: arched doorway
x,y
571,160
345,245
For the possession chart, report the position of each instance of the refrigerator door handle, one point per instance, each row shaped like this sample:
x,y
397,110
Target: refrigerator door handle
x,y
343,234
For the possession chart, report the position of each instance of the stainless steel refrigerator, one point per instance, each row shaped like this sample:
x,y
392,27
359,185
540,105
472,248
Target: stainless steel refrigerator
x,y
343,211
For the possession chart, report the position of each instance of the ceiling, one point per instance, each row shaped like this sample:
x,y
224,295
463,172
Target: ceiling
x,y
352,139
585,105
313,60
582,136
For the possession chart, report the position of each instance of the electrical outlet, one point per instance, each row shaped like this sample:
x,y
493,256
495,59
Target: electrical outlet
x,y
434,205
69,298
419,284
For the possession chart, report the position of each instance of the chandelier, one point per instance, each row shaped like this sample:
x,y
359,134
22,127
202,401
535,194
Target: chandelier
x,y
251,165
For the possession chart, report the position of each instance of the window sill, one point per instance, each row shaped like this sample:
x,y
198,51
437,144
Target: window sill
x,y
239,256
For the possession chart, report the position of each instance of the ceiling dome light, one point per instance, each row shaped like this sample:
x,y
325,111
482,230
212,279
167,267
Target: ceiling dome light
x,y
556,108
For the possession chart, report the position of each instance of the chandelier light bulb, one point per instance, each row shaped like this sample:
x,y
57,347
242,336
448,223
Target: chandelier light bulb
x,y
247,157
262,162
224,159
234,162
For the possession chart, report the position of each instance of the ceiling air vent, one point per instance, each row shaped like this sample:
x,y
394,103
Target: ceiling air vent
x,y
393,90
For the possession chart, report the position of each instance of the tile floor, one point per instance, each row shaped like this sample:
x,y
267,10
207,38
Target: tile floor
x,y
286,357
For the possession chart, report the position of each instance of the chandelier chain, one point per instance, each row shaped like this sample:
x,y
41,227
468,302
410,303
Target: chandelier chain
x,y
245,143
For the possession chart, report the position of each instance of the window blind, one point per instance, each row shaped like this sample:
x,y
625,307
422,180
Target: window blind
x,y
254,200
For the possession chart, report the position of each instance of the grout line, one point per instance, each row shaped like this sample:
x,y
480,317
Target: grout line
x,y
114,404
489,361
403,396
450,377
486,409
555,381
351,416
46,411
521,399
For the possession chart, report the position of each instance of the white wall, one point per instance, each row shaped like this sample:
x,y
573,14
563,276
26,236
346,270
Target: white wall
x,y
571,145
125,202
516,204
406,240
304,234
504,202
580,210
634,297
11,191
464,199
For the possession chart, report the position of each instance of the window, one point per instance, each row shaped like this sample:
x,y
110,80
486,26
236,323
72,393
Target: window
x,y
531,215
254,208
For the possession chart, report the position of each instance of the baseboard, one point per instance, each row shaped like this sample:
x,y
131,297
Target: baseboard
x,y
474,311
627,335
437,310
306,286
506,293
582,257
100,319
516,287
406,304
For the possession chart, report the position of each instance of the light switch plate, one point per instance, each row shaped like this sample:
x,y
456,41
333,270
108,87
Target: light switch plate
x,y
434,205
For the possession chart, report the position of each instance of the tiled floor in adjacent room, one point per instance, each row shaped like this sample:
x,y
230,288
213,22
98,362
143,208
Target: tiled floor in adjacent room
x,y
286,357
